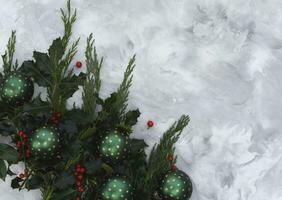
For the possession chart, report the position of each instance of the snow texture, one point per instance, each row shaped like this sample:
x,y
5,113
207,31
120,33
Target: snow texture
x,y
218,61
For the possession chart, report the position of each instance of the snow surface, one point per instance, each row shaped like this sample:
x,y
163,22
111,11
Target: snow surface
x,y
218,61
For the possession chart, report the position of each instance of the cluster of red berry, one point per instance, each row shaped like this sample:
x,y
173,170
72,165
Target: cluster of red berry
x,y
55,118
173,166
22,146
24,175
79,174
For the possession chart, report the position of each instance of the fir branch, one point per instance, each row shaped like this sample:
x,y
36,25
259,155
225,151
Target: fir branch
x,y
68,19
92,84
123,91
158,163
9,54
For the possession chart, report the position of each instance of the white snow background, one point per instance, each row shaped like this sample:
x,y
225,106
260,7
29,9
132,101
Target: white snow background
x,y
218,61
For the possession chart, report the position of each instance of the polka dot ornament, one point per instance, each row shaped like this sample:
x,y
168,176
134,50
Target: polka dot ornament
x,y
116,188
175,186
16,89
113,147
45,142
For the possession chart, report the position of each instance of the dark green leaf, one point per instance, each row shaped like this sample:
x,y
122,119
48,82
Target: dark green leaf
x,y
93,166
86,134
65,194
34,182
8,153
6,128
37,106
16,182
3,170
131,117
137,145
65,180
56,50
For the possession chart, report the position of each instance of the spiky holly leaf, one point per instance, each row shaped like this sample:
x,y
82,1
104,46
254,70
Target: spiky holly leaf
x,y
130,118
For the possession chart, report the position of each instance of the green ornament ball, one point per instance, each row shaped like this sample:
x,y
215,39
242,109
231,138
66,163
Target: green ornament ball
x,y
175,185
45,142
113,147
116,188
16,89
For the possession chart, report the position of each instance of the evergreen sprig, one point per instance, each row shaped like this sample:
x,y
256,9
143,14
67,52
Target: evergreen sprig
x,y
68,18
92,84
9,54
123,91
158,163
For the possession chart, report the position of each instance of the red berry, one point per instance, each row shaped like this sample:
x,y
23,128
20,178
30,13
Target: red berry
x,y
81,189
173,168
19,144
82,170
28,153
80,177
77,198
22,176
26,172
21,133
78,64
58,115
78,183
170,157
78,166
150,124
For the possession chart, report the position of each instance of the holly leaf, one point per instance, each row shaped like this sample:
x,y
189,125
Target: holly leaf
x,y
3,170
88,133
8,153
136,146
65,180
16,182
93,166
65,194
130,118
34,182
6,128
37,106
56,50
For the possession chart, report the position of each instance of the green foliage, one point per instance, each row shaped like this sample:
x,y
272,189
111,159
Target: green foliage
x,y
9,54
92,84
81,130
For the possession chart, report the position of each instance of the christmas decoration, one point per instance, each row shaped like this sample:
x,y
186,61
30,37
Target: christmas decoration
x,y
16,89
113,147
45,142
76,153
175,185
116,188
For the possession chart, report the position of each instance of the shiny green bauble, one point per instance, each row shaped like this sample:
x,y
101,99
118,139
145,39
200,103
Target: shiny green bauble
x,y
16,89
113,147
175,185
45,142
116,188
